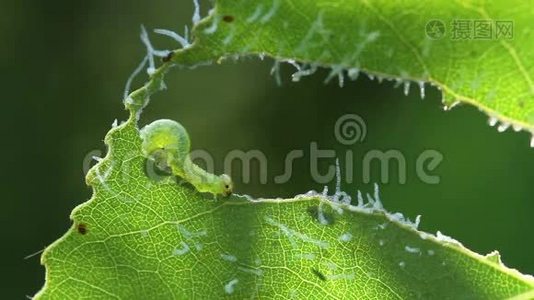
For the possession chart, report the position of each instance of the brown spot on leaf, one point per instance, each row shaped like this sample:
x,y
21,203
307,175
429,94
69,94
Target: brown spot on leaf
x,y
228,19
168,57
82,228
318,274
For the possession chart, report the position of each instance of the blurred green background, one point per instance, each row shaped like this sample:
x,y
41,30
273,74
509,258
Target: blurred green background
x,y
64,65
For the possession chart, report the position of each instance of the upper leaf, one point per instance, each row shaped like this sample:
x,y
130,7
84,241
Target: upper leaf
x,y
477,52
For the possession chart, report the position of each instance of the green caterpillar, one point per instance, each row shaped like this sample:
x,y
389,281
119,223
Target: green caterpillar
x,y
167,143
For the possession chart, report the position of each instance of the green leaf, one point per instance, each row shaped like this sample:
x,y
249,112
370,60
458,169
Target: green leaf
x,y
151,238
156,239
392,40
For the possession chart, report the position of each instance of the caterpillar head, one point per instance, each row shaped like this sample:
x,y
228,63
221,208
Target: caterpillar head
x,y
160,159
227,186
